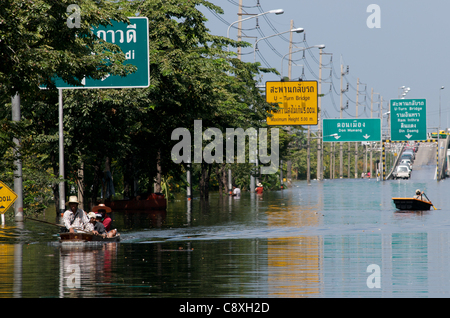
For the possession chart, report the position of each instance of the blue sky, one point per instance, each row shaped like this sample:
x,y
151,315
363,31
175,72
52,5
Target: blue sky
x,y
410,49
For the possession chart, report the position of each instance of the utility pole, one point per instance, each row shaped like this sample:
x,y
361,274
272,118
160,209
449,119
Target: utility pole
x,y
18,188
319,140
380,169
289,162
356,144
341,162
62,189
239,35
291,34
341,144
371,116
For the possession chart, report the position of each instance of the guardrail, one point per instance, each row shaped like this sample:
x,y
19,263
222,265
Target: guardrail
x,y
390,174
441,155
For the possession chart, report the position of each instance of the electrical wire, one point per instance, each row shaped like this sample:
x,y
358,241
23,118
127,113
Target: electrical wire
x,y
333,91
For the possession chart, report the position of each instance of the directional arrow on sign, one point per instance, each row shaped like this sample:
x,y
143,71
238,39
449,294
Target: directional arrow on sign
x,y
352,130
408,136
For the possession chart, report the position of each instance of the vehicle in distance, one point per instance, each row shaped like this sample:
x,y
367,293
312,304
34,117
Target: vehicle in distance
x,y
402,172
442,134
409,151
407,156
407,162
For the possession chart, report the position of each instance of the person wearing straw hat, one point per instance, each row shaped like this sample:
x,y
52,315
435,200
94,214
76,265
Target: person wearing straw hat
x,y
419,196
104,210
259,189
74,219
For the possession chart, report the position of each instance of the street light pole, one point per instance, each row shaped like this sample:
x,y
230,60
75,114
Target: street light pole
x,y
297,30
319,46
320,144
439,132
277,11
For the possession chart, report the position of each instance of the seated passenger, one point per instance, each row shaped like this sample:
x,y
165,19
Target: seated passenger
x,y
97,226
104,210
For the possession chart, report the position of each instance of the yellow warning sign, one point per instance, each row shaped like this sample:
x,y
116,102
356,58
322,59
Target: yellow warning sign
x,y
7,197
297,101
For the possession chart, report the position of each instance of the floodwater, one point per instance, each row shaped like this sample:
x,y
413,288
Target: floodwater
x,y
334,238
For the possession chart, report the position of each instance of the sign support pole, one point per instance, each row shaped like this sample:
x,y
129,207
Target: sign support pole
x,y
62,190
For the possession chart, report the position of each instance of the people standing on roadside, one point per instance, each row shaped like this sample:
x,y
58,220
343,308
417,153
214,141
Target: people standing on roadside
x,y
259,189
236,191
74,219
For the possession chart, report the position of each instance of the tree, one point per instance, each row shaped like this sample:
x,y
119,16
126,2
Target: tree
x,y
36,44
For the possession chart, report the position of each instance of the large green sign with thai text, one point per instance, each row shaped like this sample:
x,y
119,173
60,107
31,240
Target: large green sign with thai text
x,y
408,119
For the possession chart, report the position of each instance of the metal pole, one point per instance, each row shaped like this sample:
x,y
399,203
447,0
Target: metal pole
x,y
341,144
62,190
189,185
356,144
381,142
319,141
371,116
281,173
308,158
18,187
230,186
239,35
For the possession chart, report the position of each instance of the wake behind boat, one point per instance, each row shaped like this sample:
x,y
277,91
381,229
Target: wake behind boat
x,y
412,204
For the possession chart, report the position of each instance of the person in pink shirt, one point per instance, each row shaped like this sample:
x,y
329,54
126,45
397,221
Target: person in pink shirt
x,y
259,189
104,210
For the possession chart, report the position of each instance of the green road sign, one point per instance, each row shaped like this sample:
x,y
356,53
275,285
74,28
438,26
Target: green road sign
x,y
351,130
408,119
133,41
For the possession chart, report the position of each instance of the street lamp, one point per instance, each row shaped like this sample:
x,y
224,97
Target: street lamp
x,y
297,30
320,46
439,132
404,92
276,11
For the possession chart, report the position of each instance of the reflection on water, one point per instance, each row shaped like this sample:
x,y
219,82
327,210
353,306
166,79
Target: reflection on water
x,y
306,241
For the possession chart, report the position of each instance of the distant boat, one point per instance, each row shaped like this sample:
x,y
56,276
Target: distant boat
x,y
155,201
412,204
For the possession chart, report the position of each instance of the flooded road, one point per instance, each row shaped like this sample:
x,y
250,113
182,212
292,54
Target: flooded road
x,y
335,238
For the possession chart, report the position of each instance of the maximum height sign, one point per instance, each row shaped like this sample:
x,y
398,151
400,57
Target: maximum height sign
x,y
297,101
408,119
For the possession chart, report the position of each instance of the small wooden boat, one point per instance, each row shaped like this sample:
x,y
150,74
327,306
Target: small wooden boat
x,y
412,204
86,237
154,201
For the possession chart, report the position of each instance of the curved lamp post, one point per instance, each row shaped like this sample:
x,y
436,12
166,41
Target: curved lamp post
x,y
277,11
297,30
320,46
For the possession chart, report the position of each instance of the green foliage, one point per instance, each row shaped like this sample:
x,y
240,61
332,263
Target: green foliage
x,y
192,77
37,44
